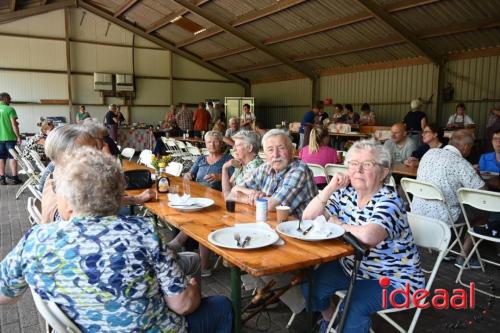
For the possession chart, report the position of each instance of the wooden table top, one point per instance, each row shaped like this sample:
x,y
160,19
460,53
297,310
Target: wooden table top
x,y
295,254
403,170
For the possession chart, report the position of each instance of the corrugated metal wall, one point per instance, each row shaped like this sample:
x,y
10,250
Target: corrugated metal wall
x,y
284,100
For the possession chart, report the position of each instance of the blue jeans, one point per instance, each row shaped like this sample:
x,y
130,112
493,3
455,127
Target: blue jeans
x,y
4,149
366,296
215,315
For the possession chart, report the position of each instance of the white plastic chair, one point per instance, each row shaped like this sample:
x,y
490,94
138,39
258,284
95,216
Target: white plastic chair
x,y
38,160
332,169
485,201
54,316
317,170
262,155
17,156
145,158
430,191
430,234
128,153
174,169
34,214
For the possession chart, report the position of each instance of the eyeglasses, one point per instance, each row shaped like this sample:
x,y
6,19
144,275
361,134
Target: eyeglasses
x,y
366,165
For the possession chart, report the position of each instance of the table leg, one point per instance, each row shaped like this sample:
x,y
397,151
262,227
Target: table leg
x,y
236,297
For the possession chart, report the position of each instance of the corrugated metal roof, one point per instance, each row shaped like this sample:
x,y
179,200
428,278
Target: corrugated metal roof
x,y
367,31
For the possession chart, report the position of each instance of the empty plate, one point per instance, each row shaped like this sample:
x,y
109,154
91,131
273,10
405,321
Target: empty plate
x,y
319,231
259,237
192,205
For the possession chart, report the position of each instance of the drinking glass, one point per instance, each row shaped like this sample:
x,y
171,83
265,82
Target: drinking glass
x,y
186,186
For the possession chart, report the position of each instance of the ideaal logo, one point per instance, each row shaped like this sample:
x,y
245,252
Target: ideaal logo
x,y
423,299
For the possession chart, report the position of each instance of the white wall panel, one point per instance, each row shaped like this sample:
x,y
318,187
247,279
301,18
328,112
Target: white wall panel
x,y
152,92
100,58
32,53
184,68
148,114
83,90
194,92
31,87
139,41
152,62
50,24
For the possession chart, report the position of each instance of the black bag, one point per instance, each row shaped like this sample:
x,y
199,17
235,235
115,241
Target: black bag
x,y
137,179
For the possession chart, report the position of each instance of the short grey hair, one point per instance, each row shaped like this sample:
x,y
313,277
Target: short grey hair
x,y
214,134
277,132
97,130
65,139
382,155
461,137
92,182
233,119
250,138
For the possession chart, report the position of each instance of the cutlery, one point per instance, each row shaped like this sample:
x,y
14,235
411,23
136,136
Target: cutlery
x,y
194,204
245,242
299,229
237,239
305,232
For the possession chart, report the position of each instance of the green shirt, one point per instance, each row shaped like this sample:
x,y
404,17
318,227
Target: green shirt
x,y
82,116
241,175
6,130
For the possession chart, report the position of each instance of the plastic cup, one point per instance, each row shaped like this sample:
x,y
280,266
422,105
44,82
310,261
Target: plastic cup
x,y
174,189
186,186
282,213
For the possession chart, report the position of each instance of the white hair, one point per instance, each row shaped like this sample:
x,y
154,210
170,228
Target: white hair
x,y
65,139
277,132
382,155
92,182
250,138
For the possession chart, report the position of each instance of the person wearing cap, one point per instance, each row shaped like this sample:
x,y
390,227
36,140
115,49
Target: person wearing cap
x,y
415,120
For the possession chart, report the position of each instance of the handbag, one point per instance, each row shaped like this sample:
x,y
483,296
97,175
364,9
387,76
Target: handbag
x,y
138,179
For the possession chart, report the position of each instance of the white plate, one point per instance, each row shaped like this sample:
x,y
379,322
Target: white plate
x,y
259,237
195,204
320,232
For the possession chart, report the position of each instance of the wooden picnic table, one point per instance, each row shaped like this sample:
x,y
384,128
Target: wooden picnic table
x,y
403,170
293,255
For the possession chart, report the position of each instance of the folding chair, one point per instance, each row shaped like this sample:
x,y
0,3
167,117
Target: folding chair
x,y
53,315
17,156
195,152
128,153
38,160
486,201
430,191
317,170
173,150
34,214
430,234
145,158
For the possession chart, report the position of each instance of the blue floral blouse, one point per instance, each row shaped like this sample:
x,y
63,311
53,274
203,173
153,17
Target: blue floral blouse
x,y
108,274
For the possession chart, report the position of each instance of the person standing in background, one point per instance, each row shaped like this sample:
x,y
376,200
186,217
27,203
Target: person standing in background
x,y
247,118
415,121
214,113
9,137
113,118
201,120
308,122
185,119
81,115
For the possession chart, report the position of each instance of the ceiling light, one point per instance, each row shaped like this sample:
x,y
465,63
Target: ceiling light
x,y
200,31
176,19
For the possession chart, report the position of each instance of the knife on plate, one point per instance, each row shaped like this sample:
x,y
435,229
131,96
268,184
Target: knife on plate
x,y
305,232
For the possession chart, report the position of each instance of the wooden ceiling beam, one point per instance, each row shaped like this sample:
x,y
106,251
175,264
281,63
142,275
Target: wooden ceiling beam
x,y
127,5
330,25
202,35
23,13
162,42
12,5
43,2
255,67
245,37
458,28
400,29
168,19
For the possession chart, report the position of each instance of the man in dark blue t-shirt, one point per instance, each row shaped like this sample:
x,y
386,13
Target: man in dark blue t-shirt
x,y
307,123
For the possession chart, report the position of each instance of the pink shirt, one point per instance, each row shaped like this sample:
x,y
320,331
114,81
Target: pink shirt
x,y
322,157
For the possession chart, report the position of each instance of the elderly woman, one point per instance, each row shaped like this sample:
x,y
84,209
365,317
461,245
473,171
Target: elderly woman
x,y
37,141
245,161
112,273
207,170
432,137
234,127
60,142
360,203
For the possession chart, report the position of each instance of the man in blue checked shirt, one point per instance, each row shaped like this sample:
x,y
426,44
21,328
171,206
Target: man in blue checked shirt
x,y
282,180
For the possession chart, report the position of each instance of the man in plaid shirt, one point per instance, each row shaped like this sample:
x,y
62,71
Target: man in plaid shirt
x,y
185,119
283,180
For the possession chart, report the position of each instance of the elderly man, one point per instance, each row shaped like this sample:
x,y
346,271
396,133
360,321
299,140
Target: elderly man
x,y
185,119
448,169
283,180
400,145
415,121
112,119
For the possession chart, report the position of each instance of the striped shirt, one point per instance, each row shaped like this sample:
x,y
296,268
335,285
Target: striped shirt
x,y
396,257
294,186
